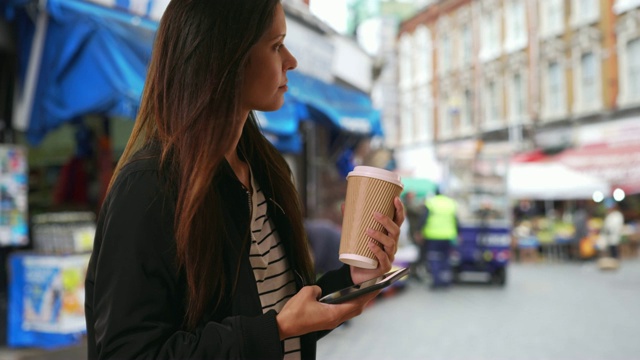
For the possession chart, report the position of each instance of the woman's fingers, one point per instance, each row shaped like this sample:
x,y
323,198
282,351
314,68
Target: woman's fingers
x,y
385,257
399,215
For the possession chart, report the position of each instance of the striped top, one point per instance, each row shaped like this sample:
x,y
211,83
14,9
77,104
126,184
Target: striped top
x,y
274,277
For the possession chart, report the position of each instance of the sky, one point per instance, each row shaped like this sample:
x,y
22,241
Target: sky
x,y
333,12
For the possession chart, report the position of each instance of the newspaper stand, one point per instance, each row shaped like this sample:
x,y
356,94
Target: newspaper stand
x,y
46,285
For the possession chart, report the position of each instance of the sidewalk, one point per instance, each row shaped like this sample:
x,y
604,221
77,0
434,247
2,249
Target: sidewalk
x,y
77,352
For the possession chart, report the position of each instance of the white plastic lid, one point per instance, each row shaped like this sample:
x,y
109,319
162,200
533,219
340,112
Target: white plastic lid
x,y
377,173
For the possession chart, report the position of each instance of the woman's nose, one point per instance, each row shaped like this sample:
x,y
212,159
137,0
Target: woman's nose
x,y
291,62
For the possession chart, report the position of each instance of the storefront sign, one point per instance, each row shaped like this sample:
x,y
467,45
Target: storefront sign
x,y
313,50
613,133
458,149
554,138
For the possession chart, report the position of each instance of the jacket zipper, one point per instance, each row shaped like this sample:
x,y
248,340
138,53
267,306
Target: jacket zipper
x,y
250,205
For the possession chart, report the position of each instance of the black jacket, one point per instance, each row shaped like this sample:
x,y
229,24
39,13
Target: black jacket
x,y
134,303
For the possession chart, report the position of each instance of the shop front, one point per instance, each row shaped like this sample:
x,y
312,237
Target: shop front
x,y
552,189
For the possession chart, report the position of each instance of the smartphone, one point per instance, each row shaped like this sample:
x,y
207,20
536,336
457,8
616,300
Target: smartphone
x,y
365,287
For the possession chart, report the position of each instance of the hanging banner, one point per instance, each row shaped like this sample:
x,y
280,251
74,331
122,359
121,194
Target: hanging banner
x,y
13,196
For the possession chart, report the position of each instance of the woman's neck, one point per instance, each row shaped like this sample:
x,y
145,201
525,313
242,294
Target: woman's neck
x,y
239,166
240,169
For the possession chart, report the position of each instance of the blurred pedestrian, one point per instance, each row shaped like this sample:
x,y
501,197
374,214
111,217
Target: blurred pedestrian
x,y
440,231
580,220
524,210
414,214
324,238
611,231
200,251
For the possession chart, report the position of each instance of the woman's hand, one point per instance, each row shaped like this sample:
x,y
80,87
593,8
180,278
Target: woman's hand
x,y
388,239
303,313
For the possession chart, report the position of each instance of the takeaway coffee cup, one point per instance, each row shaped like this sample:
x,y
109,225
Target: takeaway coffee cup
x,y
369,189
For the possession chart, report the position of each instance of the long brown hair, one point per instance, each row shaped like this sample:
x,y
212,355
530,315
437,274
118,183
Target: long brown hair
x,y
190,106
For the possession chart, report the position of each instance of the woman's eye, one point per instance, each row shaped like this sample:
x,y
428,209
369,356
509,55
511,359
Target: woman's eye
x,y
278,47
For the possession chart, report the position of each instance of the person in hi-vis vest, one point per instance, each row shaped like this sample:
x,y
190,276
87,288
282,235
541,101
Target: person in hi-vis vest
x,y
440,231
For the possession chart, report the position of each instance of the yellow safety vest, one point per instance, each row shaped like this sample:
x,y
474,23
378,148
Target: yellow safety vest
x,y
441,222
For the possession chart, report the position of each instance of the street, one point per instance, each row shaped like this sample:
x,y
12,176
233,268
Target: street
x,y
546,311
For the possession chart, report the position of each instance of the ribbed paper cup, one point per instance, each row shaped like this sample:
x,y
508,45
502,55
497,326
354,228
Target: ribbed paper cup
x,y
369,189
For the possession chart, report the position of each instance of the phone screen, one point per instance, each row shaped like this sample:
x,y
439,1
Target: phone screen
x,y
364,287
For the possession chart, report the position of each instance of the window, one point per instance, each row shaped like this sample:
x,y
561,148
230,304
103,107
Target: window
x,y
633,68
445,121
423,115
445,52
519,23
622,6
423,49
584,11
556,15
405,60
517,99
467,110
552,17
555,91
628,49
516,26
467,45
490,45
492,107
453,111
406,118
588,80
495,32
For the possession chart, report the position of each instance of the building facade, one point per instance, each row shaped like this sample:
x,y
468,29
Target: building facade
x,y
500,77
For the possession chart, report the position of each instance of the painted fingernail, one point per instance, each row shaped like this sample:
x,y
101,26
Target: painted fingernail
x,y
370,232
377,215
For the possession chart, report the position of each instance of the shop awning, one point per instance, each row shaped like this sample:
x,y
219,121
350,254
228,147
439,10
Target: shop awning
x,y
311,99
284,121
94,60
618,165
281,126
551,181
349,110
419,186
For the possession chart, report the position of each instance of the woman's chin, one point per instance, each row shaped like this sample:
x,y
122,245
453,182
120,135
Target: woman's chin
x,y
271,107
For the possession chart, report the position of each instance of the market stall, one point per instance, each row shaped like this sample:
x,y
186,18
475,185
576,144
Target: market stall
x,y
552,181
547,233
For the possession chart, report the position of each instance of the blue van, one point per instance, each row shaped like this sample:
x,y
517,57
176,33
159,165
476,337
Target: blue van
x,y
483,249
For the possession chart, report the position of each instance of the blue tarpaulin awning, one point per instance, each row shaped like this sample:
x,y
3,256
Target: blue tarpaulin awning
x,y
94,61
281,126
311,99
349,110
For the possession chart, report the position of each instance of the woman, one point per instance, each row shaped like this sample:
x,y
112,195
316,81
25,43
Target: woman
x,y
200,249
